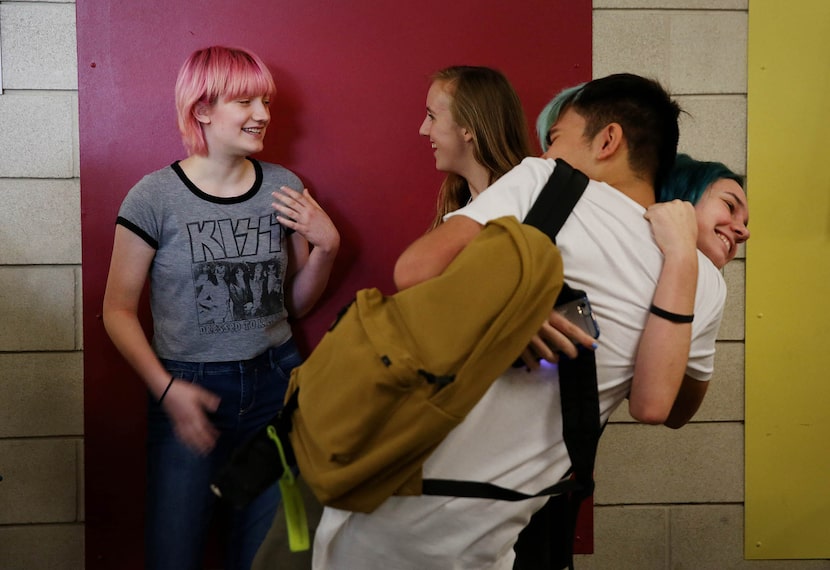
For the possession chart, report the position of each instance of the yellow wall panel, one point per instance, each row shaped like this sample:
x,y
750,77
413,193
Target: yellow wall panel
x,y
788,281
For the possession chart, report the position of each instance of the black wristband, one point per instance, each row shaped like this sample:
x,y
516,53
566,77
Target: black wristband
x,y
669,316
163,394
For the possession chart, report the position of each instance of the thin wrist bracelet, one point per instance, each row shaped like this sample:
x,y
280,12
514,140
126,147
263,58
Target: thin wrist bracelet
x,y
163,394
669,316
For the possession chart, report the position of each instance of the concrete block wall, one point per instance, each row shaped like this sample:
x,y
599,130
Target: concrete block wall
x,y
673,500
41,370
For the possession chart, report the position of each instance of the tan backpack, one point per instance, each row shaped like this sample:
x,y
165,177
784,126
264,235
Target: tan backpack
x,y
395,374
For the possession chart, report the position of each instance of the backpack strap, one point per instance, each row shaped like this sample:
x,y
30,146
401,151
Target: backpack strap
x,y
547,541
554,204
551,209
580,412
480,490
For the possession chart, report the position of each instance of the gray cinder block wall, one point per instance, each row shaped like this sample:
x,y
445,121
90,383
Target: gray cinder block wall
x,y
41,379
666,499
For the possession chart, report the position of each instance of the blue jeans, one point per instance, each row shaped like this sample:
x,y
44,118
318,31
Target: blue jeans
x,y
180,505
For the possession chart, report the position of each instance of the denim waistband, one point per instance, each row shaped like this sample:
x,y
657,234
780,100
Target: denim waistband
x,y
267,360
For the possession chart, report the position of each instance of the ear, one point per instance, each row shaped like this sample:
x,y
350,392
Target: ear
x,y
202,112
609,140
468,136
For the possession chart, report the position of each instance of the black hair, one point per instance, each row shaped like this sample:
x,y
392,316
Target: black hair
x,y
645,111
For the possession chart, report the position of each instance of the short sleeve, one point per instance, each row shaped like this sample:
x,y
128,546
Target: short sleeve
x,y
709,302
511,195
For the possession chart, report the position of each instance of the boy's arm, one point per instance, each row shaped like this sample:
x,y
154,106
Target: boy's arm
x,y
511,195
430,254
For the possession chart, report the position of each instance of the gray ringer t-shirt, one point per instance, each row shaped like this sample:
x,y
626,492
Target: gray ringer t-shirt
x,y
217,278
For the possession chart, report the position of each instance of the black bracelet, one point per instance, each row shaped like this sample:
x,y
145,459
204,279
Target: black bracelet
x,y
163,394
669,316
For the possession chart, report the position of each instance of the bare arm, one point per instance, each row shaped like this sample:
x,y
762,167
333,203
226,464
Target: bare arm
x,y
663,352
430,254
186,404
308,271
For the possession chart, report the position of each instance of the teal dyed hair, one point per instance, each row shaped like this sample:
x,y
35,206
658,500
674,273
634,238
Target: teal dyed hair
x,y
689,179
641,106
549,115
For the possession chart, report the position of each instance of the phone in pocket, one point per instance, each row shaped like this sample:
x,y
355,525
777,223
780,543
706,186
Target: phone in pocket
x,y
578,311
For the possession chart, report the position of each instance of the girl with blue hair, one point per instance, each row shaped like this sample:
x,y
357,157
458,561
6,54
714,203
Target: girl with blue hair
x,y
699,205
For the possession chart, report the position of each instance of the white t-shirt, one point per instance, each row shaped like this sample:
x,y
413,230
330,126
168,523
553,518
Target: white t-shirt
x,y
513,436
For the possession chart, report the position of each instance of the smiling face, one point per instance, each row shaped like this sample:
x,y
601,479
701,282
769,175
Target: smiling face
x,y
236,126
722,216
451,142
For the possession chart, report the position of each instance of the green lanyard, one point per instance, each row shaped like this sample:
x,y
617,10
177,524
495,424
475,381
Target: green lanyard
x,y
295,518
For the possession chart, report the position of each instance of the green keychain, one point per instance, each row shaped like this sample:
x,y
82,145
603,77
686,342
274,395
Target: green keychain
x,y
295,518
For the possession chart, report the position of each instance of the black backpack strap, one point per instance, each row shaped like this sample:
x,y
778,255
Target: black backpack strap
x,y
580,429
560,194
547,542
578,376
479,490
552,207
580,414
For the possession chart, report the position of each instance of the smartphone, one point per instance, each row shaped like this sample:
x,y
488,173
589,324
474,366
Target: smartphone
x,y
578,311
574,305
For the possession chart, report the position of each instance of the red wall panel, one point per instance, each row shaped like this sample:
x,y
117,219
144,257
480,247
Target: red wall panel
x,y
352,80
